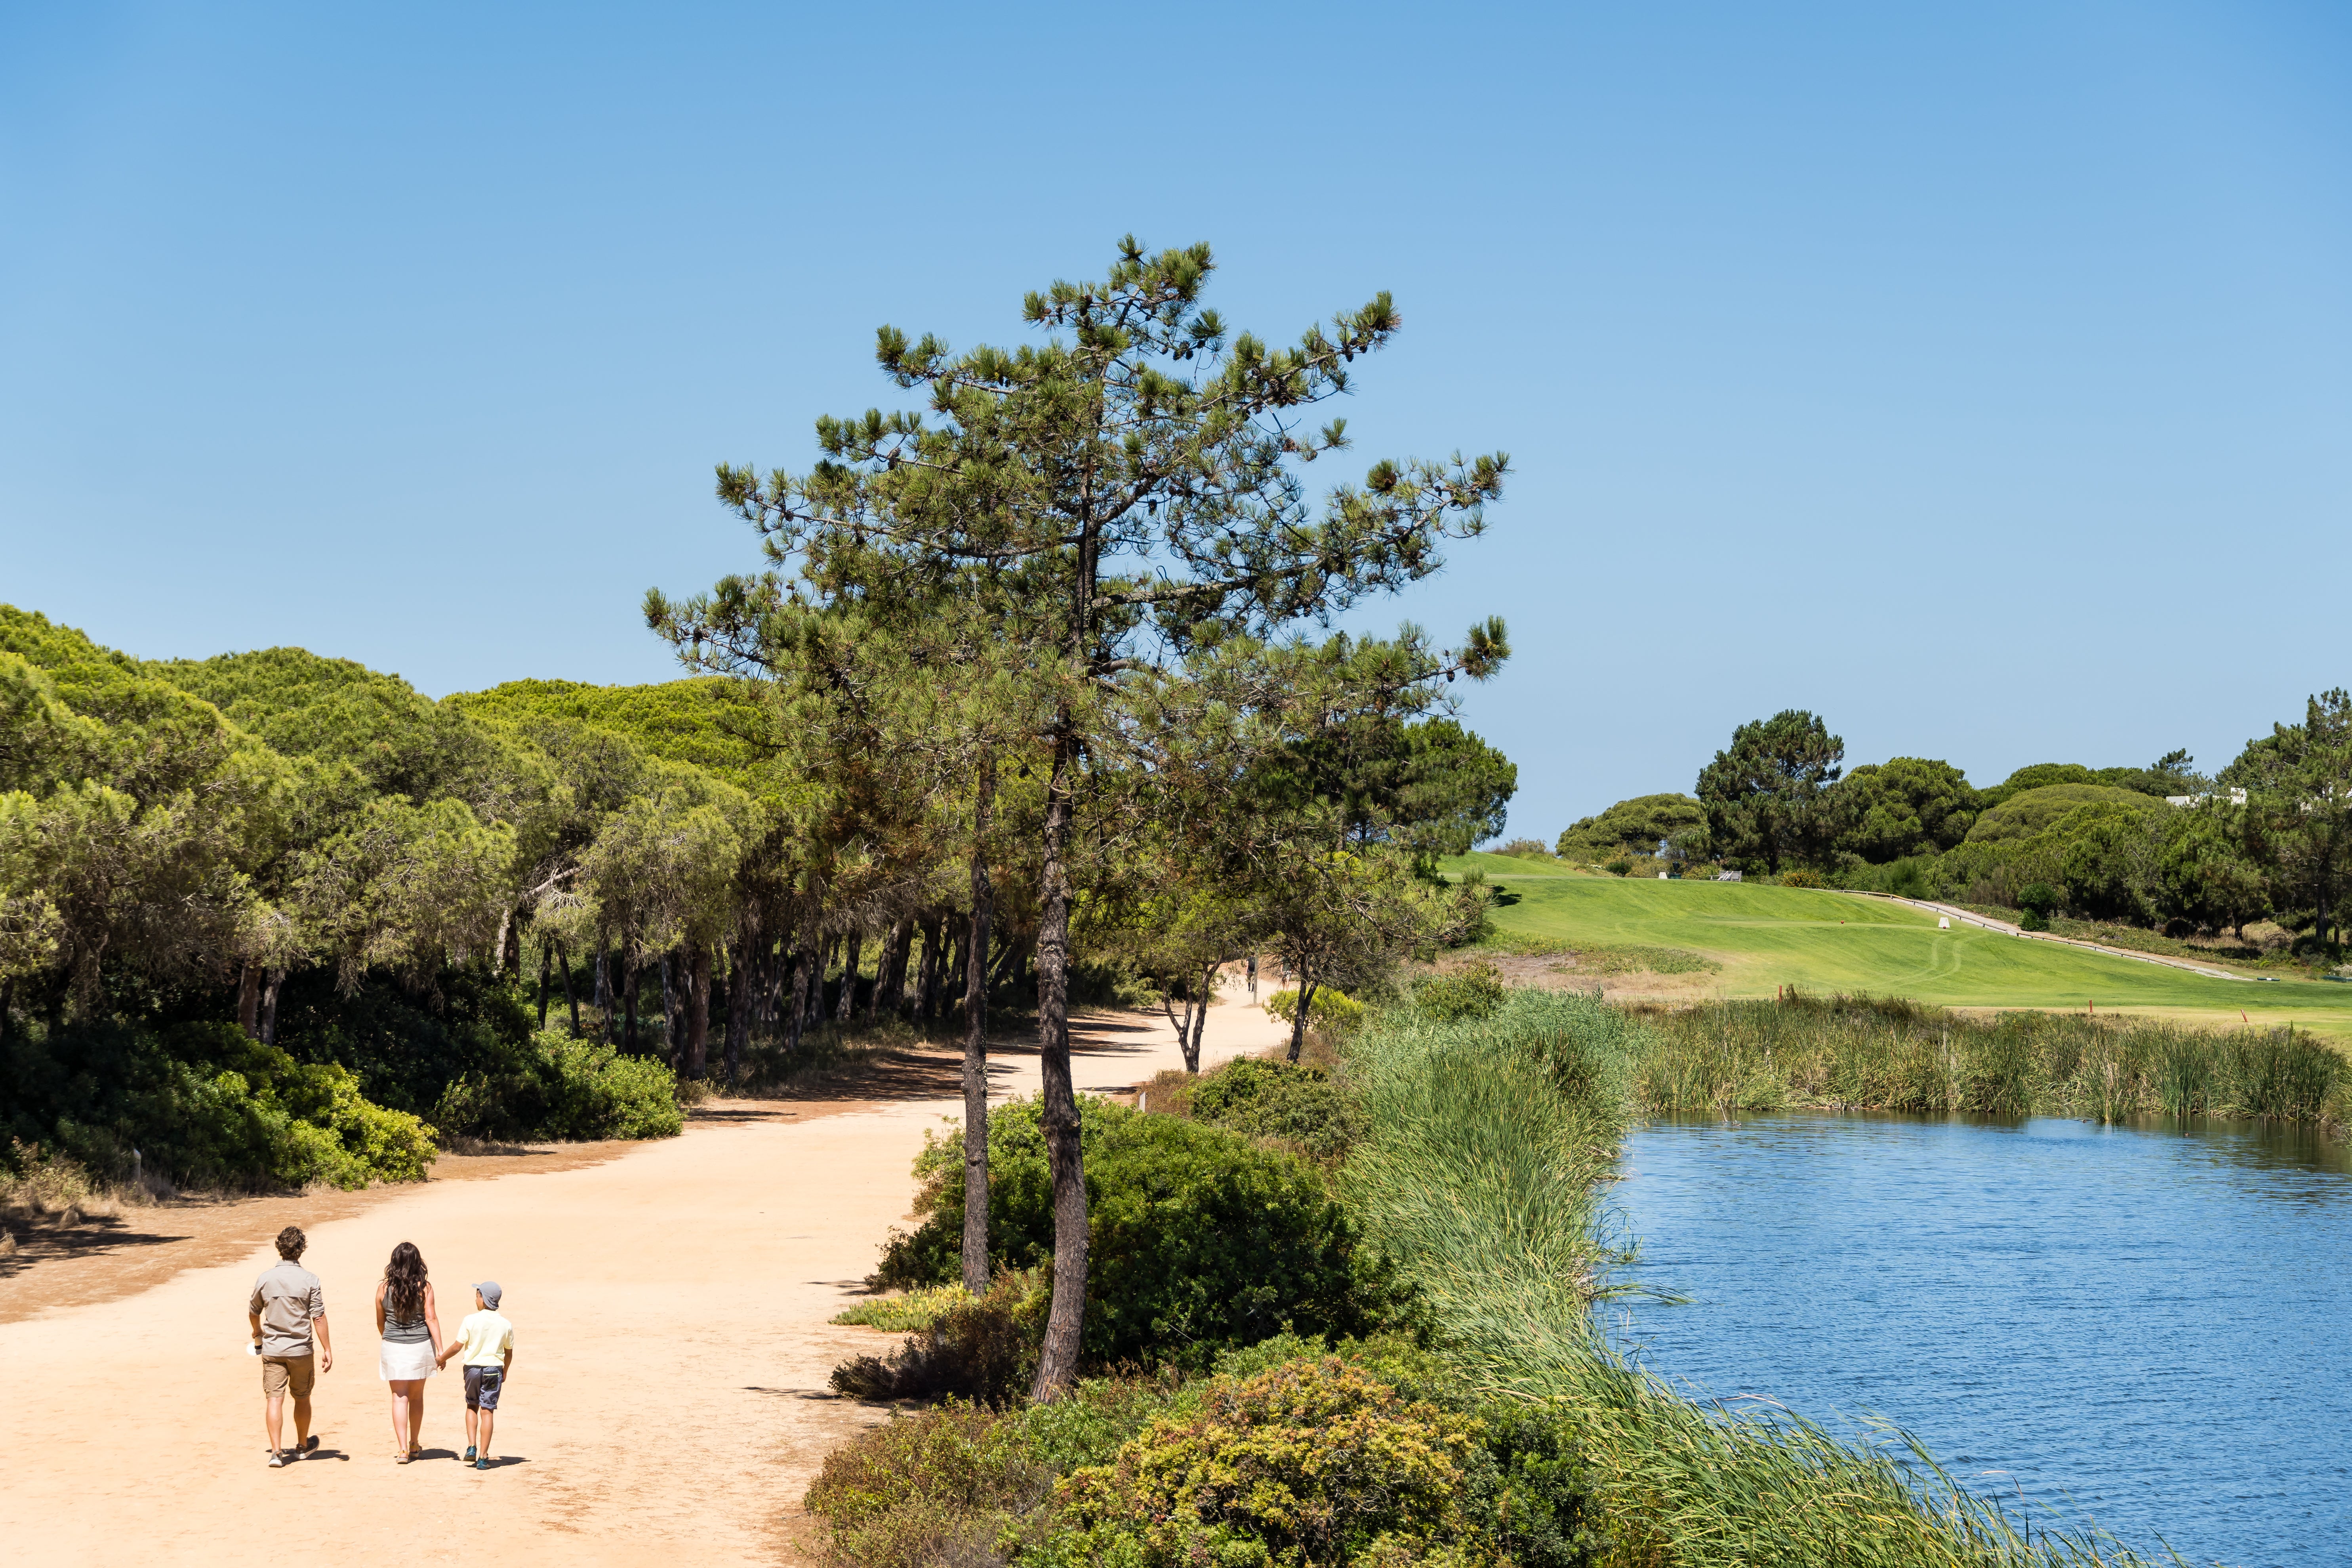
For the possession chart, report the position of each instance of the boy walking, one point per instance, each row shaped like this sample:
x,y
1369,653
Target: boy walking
x,y
487,1341
287,1310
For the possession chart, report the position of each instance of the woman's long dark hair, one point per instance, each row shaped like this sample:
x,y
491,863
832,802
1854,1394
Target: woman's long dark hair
x,y
403,1283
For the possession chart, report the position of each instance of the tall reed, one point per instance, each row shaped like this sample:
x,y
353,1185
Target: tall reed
x,y
1489,1143
1865,1053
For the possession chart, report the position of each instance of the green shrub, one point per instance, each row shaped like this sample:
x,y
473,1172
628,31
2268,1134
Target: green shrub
x,y
1298,1105
1198,1237
1798,876
936,1487
2033,920
1622,866
557,1087
1471,992
1317,1461
2039,899
983,1351
220,1108
1332,1010
897,1314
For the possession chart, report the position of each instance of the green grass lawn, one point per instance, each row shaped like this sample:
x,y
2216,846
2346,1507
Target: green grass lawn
x,y
1825,941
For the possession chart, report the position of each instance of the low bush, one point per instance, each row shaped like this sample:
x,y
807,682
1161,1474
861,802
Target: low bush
x,y
216,1108
556,1088
983,1351
897,1314
928,1489
1198,1239
1471,991
1298,1106
1798,876
1312,1462
1334,1012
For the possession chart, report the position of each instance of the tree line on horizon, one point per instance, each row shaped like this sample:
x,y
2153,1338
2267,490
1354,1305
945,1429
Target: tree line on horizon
x,y
2267,837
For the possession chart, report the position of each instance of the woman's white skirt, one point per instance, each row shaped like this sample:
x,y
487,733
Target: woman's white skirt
x,y
405,1360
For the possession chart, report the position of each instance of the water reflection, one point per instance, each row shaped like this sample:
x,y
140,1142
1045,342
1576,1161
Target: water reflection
x,y
2150,1319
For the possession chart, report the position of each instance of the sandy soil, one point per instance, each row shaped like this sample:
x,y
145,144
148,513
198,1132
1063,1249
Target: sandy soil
x,y
670,1300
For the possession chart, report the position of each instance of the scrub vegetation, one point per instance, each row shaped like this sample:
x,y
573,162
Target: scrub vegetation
x,y
1487,1421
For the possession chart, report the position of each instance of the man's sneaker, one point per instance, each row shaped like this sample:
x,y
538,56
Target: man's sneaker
x,y
277,1460
310,1445
469,1453
483,1463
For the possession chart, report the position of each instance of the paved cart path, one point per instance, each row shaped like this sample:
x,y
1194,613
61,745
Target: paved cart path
x,y
672,1344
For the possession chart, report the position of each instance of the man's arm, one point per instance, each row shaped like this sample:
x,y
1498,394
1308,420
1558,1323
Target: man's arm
x,y
255,1318
326,1350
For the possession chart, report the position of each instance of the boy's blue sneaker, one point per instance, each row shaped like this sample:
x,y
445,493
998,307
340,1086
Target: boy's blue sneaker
x,y
469,1453
483,1463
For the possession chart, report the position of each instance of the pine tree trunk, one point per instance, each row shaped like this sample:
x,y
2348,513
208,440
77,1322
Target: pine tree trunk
x,y
1298,1018
852,948
1057,1368
629,1004
697,1012
270,988
959,944
1199,1018
798,1020
742,986
249,1000
673,1038
546,961
927,983
603,993
975,1046
571,998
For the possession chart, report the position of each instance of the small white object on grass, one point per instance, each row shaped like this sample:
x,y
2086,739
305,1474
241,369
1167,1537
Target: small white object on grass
x,y
1944,923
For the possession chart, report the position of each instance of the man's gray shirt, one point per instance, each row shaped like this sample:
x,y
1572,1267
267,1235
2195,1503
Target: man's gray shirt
x,y
287,1297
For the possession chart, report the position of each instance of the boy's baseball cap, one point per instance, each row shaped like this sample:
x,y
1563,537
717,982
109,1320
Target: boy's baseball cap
x,y
490,1293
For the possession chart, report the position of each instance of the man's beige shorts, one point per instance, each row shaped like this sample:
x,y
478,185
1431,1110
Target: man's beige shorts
x,y
284,1374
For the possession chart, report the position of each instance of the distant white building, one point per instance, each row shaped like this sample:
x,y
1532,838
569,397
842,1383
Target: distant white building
x,y
2237,797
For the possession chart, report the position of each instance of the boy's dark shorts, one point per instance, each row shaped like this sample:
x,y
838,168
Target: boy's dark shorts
x,y
482,1386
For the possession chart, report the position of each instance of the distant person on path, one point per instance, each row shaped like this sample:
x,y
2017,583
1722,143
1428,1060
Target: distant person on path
x,y
288,1310
410,1322
488,1341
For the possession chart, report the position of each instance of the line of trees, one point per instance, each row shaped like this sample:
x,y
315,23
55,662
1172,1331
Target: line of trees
x,y
2268,836
1034,685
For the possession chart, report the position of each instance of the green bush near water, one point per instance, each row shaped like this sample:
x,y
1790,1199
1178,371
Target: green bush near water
x,y
1888,1055
1298,1106
1198,1239
1288,1455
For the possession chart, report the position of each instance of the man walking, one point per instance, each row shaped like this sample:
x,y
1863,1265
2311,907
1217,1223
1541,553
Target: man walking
x,y
288,1310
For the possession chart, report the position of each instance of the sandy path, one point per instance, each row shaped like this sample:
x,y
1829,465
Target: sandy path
x,y
671,1354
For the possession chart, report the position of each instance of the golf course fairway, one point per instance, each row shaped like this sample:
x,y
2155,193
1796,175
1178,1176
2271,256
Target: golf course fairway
x,y
1825,941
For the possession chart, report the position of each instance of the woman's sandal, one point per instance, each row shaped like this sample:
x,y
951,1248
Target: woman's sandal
x,y
403,1457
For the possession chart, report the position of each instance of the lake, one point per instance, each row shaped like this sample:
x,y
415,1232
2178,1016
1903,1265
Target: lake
x,y
2151,1325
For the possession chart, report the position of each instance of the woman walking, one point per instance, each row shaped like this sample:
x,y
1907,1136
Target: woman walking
x,y
411,1325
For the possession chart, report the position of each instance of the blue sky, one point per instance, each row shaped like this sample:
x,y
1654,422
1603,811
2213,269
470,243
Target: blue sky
x,y
1978,376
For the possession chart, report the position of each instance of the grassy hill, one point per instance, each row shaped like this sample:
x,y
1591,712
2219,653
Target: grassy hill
x,y
1825,941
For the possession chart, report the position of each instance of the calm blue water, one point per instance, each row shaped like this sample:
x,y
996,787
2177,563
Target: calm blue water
x,y
2151,1325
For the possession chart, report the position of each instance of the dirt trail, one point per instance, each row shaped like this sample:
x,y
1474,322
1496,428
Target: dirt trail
x,y
672,1345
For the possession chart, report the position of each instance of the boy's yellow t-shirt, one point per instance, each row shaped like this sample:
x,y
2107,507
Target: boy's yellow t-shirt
x,y
487,1338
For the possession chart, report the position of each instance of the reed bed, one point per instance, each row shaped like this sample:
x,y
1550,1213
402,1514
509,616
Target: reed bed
x,y
1491,1140
1864,1053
